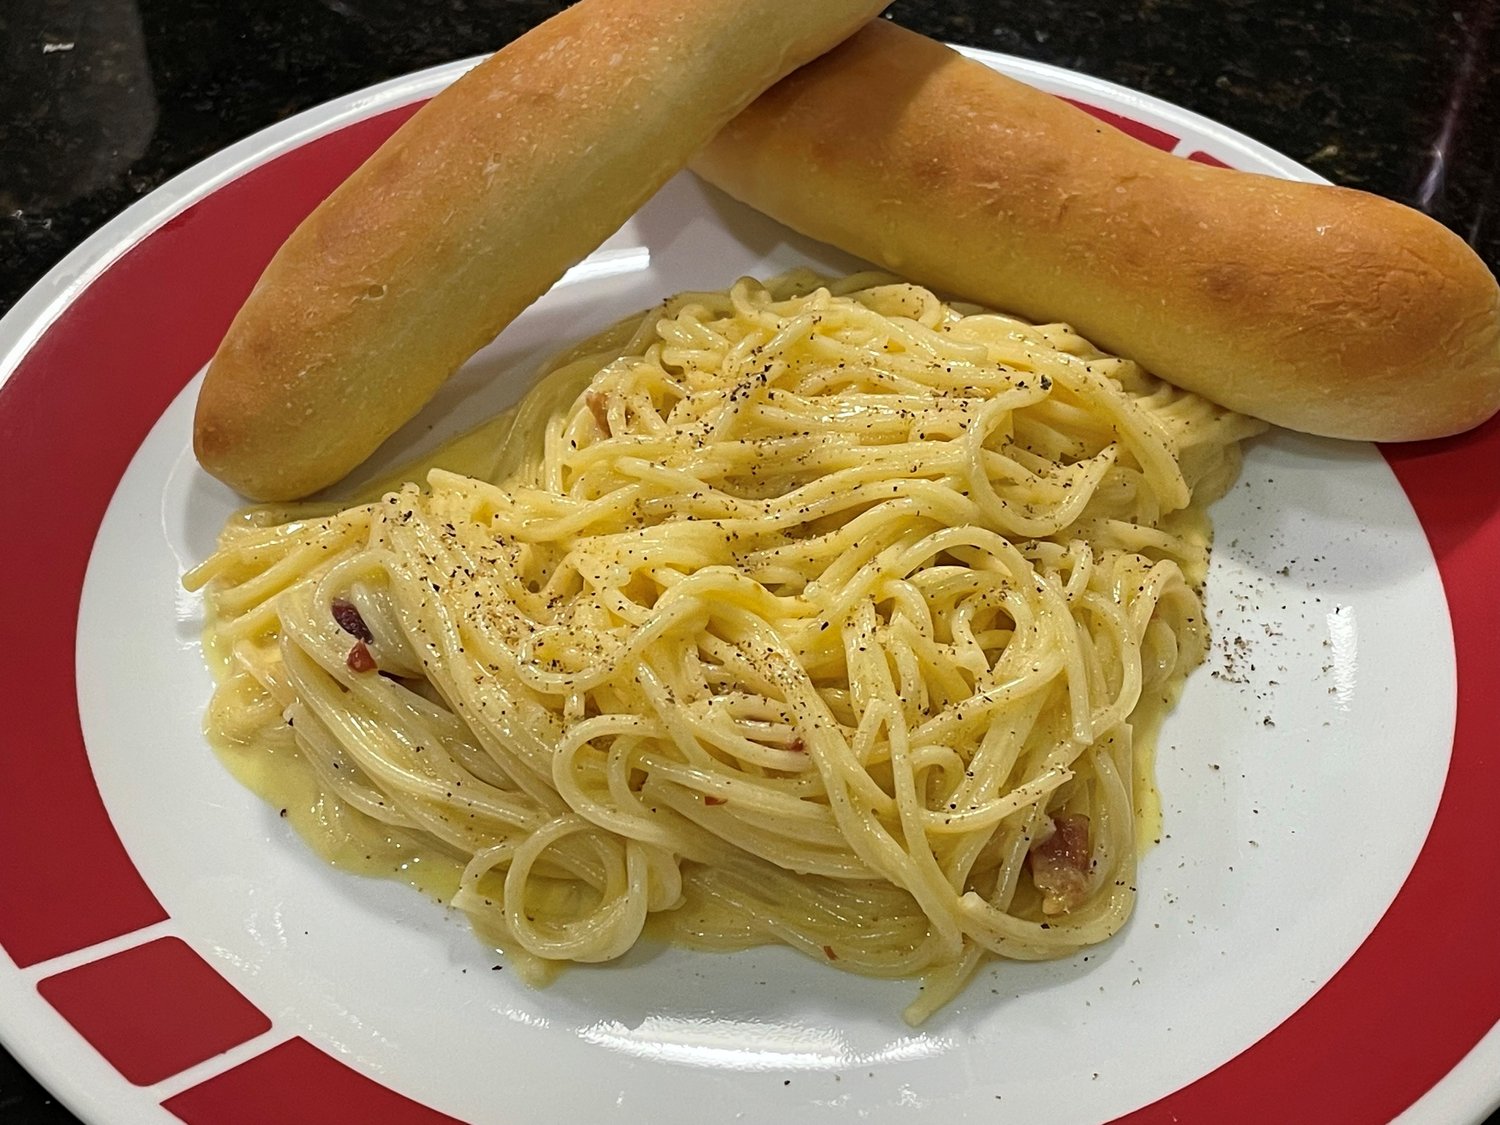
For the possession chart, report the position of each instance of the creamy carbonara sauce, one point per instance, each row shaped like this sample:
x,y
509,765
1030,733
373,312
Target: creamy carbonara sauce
x,y
822,613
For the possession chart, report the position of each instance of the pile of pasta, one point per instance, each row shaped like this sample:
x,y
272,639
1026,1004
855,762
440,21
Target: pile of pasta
x,y
815,612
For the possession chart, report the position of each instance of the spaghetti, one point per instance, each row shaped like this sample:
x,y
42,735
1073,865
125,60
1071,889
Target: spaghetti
x,y
820,613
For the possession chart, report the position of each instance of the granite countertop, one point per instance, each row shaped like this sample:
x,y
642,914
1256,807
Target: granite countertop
x,y
102,101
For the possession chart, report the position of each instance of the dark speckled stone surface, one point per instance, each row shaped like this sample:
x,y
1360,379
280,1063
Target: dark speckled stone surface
x,y
103,100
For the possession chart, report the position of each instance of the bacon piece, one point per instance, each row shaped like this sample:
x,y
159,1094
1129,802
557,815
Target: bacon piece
x,y
1060,864
347,615
359,658
598,403
710,799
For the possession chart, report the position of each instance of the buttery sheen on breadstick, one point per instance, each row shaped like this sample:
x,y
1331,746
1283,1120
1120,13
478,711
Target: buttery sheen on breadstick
x,y
1321,309
470,212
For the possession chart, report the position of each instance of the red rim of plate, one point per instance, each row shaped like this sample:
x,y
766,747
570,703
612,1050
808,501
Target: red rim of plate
x,y
1407,1006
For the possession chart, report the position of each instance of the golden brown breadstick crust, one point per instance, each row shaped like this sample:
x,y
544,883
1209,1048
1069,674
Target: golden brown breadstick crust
x,y
1318,308
470,212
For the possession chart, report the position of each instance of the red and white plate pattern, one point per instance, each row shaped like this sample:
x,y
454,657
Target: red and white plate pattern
x,y
1314,941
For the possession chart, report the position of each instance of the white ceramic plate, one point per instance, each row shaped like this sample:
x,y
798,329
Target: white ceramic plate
x,y
1313,939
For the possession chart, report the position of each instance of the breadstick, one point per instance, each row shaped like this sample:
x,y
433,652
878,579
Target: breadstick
x,y
1321,309
470,212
